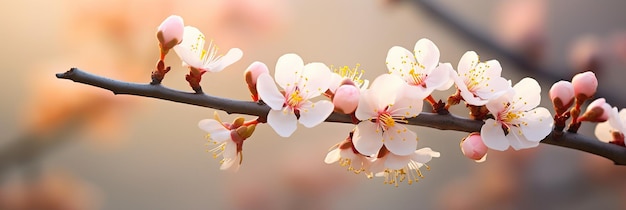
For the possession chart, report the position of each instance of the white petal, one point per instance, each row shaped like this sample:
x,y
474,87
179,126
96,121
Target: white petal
x,y
468,61
424,155
315,79
603,132
616,120
494,87
269,93
385,89
400,61
427,54
538,124
494,69
399,140
312,114
497,105
493,135
232,56
230,151
407,107
332,156
288,70
443,82
366,108
228,164
518,141
284,122
335,82
396,162
190,48
529,91
217,132
367,138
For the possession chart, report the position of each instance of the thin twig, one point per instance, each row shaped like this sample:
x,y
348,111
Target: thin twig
x,y
443,122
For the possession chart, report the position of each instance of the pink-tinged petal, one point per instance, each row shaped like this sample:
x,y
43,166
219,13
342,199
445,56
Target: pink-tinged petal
x,y
424,155
171,29
332,156
468,61
312,114
563,90
335,82
269,93
346,99
529,91
217,132
396,162
400,62
493,68
427,54
493,135
604,132
538,124
585,83
367,138
407,107
190,49
315,79
366,108
284,122
497,105
384,90
619,120
440,77
494,88
233,55
519,141
399,140
378,165
288,70
230,164
230,151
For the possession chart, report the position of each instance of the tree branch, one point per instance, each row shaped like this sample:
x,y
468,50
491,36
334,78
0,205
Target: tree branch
x,y
443,122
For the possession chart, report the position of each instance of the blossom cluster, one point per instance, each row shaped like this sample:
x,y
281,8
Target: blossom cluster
x,y
380,144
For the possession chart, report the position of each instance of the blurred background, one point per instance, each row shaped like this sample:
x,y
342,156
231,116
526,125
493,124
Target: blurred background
x,y
70,146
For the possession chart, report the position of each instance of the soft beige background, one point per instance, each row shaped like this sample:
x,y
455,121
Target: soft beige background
x,y
155,158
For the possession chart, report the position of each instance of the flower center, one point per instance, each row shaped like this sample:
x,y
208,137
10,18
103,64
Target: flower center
x,y
294,99
386,121
476,77
418,78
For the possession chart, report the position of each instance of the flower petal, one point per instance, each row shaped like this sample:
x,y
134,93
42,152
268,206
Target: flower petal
x,y
217,132
407,107
232,56
399,140
468,61
427,54
424,155
230,150
440,77
493,135
284,122
518,141
400,62
367,138
315,79
384,90
269,93
288,70
495,87
604,132
335,82
396,162
527,94
332,156
190,48
366,108
538,124
312,114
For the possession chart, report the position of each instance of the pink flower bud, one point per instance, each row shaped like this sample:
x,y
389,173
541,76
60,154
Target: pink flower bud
x,y
170,32
473,147
585,83
562,95
252,74
597,111
346,99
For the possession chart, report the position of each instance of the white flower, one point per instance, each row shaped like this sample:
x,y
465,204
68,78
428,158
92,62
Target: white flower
x,y
517,122
345,153
397,168
300,83
222,136
614,128
381,109
479,81
420,69
191,51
